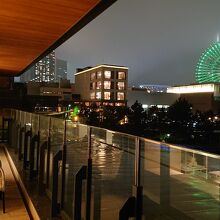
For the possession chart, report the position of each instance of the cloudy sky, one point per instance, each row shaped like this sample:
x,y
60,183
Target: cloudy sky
x,y
159,40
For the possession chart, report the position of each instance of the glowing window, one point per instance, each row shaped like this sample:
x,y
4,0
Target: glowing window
x,y
99,75
120,96
120,85
107,74
119,104
98,95
121,75
107,85
107,95
93,76
99,85
92,95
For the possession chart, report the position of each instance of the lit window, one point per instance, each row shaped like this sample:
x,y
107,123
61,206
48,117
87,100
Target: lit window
x,y
99,85
107,74
121,75
120,85
107,85
98,95
93,76
92,95
99,75
107,95
119,104
120,96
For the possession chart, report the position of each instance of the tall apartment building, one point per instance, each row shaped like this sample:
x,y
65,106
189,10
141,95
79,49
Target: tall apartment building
x,y
49,69
60,70
102,84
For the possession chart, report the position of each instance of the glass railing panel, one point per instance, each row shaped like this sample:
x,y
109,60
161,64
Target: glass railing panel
x,y
13,129
44,128
112,176
22,130
18,116
176,183
187,161
17,125
22,118
123,141
191,192
28,116
57,129
213,169
200,165
76,157
99,133
150,178
13,114
175,159
35,124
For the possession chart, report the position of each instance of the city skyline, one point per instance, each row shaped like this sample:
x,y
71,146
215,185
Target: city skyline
x,y
140,34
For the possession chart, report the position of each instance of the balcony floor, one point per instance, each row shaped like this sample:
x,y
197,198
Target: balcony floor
x,y
14,205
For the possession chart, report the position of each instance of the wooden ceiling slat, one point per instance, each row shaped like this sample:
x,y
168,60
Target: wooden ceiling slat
x,y
29,28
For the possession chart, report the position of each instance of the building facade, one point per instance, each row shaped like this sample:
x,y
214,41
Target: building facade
x,y
151,98
49,69
103,85
63,90
60,69
203,97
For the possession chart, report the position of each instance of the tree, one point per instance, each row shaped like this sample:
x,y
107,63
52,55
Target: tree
x,y
136,118
92,115
180,111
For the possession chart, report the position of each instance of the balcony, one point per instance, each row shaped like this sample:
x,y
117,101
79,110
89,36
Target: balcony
x,y
87,172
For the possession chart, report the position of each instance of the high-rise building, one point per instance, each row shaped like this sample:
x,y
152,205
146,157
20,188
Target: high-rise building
x,y
61,69
49,69
103,85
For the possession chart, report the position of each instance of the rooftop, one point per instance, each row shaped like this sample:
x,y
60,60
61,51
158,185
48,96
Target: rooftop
x,y
86,69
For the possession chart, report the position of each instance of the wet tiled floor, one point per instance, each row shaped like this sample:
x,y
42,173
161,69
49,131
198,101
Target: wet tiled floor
x,y
14,205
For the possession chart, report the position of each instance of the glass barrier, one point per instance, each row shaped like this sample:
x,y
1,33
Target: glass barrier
x,y
76,157
112,174
178,183
18,116
13,130
175,182
22,118
35,124
28,121
57,129
44,127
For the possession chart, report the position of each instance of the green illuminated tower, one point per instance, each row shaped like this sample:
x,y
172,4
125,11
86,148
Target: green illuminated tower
x,y
208,67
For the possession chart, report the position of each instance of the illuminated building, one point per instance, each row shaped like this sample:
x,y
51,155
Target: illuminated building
x,y
203,97
60,69
154,88
49,69
149,99
102,84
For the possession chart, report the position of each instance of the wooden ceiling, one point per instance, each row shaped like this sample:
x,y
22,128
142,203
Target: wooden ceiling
x,y
29,30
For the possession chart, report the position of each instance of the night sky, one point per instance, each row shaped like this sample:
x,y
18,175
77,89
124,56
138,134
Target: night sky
x,y
159,40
